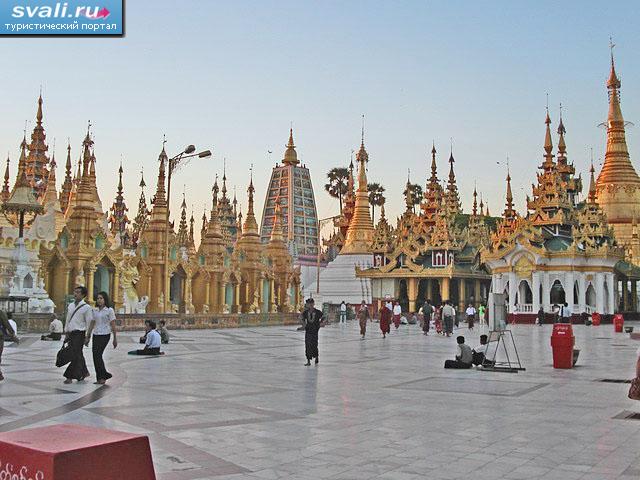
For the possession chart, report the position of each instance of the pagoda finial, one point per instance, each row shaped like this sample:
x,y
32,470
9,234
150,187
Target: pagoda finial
x,y
6,192
224,177
290,154
592,182
475,201
362,135
250,226
509,212
434,166
614,82
562,147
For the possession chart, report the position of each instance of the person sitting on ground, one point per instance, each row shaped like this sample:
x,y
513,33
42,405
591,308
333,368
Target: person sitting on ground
x,y
164,333
152,343
464,356
479,352
55,329
143,338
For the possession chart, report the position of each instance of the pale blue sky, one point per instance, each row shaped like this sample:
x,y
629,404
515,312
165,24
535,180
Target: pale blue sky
x,y
231,76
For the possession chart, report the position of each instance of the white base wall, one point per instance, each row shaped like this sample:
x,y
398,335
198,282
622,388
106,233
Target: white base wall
x,y
338,281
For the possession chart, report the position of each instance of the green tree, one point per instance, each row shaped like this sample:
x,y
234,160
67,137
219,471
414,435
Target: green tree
x,y
337,186
376,198
416,194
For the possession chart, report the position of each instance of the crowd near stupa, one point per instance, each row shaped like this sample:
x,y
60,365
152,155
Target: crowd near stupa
x,y
576,243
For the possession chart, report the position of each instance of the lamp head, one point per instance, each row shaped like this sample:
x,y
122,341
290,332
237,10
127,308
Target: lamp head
x,y
190,149
205,154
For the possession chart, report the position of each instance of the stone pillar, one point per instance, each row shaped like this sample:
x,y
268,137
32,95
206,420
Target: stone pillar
x,y
462,294
582,292
634,295
272,295
546,292
535,289
207,292
599,286
568,291
222,296
513,290
444,288
477,294
412,293
625,295
611,279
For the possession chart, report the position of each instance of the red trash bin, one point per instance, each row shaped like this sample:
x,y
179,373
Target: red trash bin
x,y
618,322
562,342
596,319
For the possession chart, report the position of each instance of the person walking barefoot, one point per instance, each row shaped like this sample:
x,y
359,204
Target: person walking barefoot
x,y
363,316
79,316
312,318
102,326
385,320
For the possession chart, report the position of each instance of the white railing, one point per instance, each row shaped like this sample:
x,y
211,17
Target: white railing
x,y
523,308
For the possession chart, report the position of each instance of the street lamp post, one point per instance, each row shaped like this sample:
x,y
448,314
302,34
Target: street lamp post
x,y
174,163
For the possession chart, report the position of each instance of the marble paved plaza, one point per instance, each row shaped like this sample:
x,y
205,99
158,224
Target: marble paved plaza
x,y
235,404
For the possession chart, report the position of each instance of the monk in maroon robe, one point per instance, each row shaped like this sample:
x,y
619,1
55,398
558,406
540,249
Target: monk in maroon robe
x,y
385,320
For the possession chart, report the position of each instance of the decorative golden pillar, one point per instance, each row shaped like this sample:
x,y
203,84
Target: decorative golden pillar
x,y
634,295
462,294
412,293
272,295
236,299
476,293
222,296
116,291
90,279
207,292
67,281
444,288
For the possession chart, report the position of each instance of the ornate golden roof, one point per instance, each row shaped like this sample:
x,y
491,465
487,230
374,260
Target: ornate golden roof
x,y
290,155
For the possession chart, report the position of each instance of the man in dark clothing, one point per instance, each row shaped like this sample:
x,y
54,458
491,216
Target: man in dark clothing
x,y
427,311
464,356
312,320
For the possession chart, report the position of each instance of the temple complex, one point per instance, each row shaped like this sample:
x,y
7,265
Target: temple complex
x,y
146,265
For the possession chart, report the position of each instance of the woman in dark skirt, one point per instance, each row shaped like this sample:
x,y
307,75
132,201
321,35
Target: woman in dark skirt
x,y
312,319
102,327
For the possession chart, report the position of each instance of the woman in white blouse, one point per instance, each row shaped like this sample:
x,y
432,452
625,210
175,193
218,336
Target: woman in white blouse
x,y
102,326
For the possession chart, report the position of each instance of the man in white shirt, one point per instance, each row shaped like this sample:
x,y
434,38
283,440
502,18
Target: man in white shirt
x,y
343,312
397,313
152,343
480,351
471,316
55,329
565,313
448,316
79,316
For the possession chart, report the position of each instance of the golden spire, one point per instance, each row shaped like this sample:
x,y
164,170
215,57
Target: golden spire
x,y
487,213
408,194
6,192
360,232
509,212
617,168
276,232
224,178
592,185
118,218
290,155
475,202
67,186
51,195
434,166
481,206
452,196
142,216
183,234
160,200
548,145
250,226
562,147
37,161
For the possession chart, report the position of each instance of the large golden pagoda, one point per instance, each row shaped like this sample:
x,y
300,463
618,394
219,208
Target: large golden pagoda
x,y
618,185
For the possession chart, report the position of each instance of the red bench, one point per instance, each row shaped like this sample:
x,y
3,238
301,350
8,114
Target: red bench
x,y
75,452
